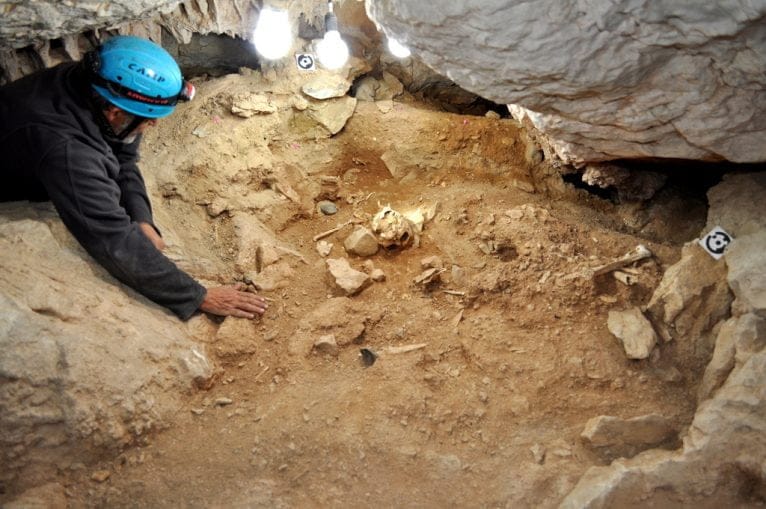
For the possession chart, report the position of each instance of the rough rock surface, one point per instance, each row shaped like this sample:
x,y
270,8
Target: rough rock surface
x,y
692,296
86,364
340,318
361,242
722,459
606,80
345,278
52,19
614,437
634,331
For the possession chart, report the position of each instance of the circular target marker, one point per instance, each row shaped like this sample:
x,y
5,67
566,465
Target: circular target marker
x,y
305,61
716,242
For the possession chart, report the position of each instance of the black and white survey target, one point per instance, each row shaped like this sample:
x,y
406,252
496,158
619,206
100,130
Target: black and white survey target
x,y
305,61
716,242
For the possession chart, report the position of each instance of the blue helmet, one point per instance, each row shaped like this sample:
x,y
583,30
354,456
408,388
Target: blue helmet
x,y
137,76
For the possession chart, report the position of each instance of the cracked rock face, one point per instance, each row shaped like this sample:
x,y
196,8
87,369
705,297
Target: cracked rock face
x,y
83,370
24,22
605,80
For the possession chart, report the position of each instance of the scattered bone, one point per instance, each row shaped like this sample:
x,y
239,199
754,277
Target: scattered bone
x,y
327,345
454,292
639,253
291,252
625,278
457,318
333,230
404,348
324,248
392,229
223,401
429,276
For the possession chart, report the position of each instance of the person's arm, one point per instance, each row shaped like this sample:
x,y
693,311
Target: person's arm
x,y
88,201
134,198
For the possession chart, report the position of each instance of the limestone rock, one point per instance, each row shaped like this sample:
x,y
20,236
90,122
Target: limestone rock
x,y
431,262
248,105
326,86
378,275
747,271
634,331
236,337
100,362
738,338
46,20
614,437
630,185
736,204
361,242
371,89
346,279
332,114
326,345
47,496
637,79
692,296
340,317
724,447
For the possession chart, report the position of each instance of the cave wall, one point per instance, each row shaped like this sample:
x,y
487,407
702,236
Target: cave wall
x,y
606,79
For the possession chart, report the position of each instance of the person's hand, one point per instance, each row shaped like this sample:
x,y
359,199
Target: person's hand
x,y
232,301
152,235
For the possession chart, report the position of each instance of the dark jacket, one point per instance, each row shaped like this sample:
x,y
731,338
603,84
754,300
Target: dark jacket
x,y
52,148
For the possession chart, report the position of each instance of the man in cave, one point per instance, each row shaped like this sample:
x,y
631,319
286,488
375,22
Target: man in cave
x,y
71,134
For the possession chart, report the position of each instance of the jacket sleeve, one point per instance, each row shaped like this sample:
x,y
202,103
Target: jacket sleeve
x,y
88,201
133,196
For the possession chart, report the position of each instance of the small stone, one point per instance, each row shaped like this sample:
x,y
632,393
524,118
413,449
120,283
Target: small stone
x,y
634,331
327,345
493,115
361,242
326,86
368,266
198,411
538,453
430,262
345,278
223,402
428,276
324,248
613,436
327,207
100,475
458,275
378,275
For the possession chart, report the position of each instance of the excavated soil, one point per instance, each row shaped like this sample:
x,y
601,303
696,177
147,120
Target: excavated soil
x,y
516,358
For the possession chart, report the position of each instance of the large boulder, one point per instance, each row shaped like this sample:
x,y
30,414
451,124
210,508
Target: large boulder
x,y
605,80
86,364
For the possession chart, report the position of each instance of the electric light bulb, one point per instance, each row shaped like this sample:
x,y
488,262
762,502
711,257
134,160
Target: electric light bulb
x,y
398,49
272,36
332,50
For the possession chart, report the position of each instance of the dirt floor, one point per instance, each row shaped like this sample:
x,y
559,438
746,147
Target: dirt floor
x,y
516,358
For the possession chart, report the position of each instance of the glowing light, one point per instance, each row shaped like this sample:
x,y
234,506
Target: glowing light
x,y
398,49
272,37
332,50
